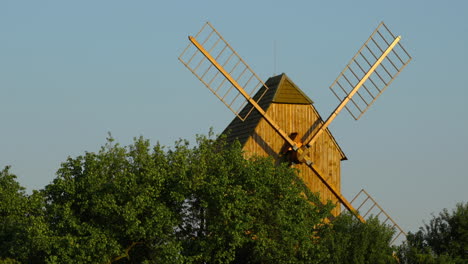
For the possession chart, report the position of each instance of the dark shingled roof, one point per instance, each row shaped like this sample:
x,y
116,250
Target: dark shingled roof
x,y
280,90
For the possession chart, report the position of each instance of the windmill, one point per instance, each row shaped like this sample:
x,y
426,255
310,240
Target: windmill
x,y
277,119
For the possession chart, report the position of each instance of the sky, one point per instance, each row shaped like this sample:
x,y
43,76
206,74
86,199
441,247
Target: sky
x,y
73,71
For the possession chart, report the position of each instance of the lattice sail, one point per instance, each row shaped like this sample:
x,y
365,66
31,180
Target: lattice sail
x,y
369,207
365,67
217,47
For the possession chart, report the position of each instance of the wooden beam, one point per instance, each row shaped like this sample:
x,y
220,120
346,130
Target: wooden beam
x,y
335,192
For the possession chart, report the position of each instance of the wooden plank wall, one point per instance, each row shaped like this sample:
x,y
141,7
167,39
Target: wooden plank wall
x,y
325,154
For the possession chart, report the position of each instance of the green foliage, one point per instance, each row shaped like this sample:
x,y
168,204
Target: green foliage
x,y
443,240
12,209
350,241
9,261
247,211
113,205
22,225
201,204
13,204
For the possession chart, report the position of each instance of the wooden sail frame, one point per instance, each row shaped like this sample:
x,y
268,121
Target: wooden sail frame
x,y
363,76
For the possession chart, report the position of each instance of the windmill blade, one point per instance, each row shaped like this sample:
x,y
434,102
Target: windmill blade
x,y
374,67
213,61
335,192
227,75
373,73
370,71
368,205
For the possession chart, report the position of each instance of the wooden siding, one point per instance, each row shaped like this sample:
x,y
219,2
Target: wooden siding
x,y
325,153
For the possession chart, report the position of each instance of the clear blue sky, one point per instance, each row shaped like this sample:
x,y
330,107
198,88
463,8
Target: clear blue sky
x,y
71,71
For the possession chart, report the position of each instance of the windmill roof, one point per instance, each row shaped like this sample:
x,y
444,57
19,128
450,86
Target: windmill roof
x,y
280,90
285,91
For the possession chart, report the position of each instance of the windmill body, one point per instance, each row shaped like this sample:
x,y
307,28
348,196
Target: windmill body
x,y
295,113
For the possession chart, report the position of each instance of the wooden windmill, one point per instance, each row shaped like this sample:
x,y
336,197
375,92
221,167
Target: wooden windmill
x,y
275,118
